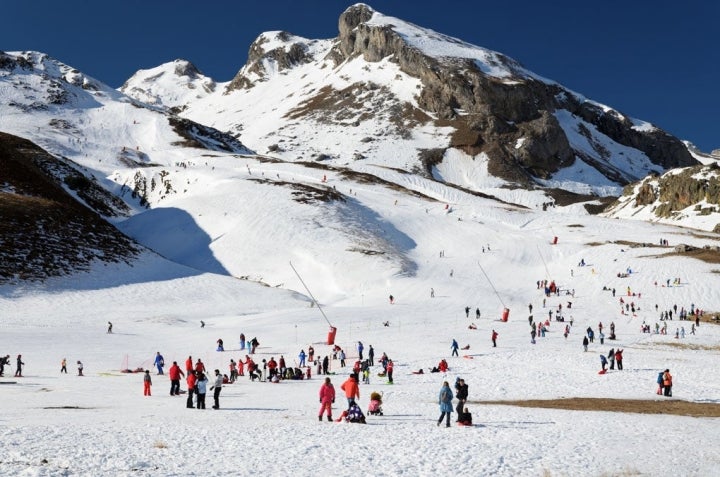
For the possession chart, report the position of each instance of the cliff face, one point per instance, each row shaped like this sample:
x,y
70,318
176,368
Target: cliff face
x,y
534,132
504,109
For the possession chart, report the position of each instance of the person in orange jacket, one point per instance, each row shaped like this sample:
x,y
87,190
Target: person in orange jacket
x,y
351,388
188,365
191,382
327,397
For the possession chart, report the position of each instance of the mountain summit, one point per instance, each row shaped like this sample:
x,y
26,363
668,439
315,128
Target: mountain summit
x,y
395,94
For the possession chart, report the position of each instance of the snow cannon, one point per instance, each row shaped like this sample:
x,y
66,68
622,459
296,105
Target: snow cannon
x,y
331,335
505,314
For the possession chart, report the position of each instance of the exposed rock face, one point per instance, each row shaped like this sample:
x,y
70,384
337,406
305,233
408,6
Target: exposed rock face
x,y
504,110
45,231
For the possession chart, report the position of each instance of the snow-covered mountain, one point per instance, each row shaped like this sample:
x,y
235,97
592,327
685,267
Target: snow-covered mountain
x,y
355,135
389,93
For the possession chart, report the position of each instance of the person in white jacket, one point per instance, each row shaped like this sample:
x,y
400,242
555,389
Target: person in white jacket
x,y
217,387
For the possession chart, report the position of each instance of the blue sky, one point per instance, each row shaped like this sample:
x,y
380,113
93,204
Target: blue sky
x,y
654,60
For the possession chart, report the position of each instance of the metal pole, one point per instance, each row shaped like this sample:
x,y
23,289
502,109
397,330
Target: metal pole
x,y
310,293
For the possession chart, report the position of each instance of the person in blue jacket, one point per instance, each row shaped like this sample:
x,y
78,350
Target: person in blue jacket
x,y
159,362
445,400
302,358
360,349
454,346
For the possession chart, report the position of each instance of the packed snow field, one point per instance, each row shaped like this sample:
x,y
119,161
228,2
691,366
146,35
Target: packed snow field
x,y
101,424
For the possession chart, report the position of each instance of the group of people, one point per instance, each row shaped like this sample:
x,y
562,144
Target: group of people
x,y
445,399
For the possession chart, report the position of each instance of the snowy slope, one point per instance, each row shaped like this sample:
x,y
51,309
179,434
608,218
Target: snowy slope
x,y
59,424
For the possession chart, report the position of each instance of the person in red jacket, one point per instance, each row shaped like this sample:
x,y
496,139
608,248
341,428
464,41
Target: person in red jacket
x,y
389,370
191,381
272,368
327,397
494,338
351,388
174,373
199,367
188,365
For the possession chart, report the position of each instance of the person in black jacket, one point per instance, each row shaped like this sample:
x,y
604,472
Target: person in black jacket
x,y
461,393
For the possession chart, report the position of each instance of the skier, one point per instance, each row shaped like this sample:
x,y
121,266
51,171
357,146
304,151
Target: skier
x,y
454,346
494,340
147,383
159,362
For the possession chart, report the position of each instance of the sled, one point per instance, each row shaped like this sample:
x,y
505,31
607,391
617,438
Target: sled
x,y
602,371
467,356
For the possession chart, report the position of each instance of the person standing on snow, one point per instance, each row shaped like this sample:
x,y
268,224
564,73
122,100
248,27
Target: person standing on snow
x,y
201,390
360,349
445,400
467,312
494,341
619,359
603,362
301,356
327,398
454,346
159,362
109,329
585,342
174,373
80,368
217,387
461,393
63,366
147,383
20,364
667,383
351,388
192,386
389,370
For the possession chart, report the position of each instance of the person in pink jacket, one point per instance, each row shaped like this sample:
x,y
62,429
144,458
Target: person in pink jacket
x,y
327,398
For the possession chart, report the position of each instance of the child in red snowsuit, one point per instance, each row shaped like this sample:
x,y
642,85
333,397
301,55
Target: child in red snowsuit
x,y
327,397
